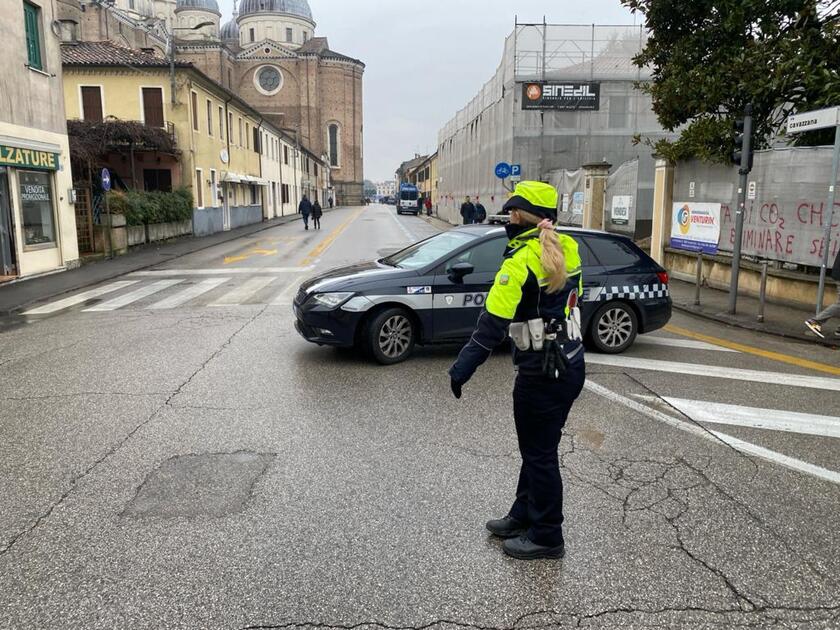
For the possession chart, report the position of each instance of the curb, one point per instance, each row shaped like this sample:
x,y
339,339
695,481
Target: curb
x,y
258,227
433,220
755,327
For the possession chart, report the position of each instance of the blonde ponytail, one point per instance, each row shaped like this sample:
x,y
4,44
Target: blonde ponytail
x,y
553,258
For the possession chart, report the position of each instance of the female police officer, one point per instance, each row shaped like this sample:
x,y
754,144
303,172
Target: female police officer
x,y
534,299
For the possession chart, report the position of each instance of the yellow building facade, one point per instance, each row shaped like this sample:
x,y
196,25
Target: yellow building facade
x,y
231,159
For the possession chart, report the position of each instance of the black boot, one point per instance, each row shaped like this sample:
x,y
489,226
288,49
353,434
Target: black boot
x,y
506,527
523,549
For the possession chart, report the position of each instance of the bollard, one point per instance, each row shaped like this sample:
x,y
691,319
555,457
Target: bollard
x,y
762,293
698,279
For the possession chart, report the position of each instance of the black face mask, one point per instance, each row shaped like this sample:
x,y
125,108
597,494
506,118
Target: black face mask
x,y
513,231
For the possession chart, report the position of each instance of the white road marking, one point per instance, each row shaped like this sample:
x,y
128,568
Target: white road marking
x,y
284,297
80,298
245,291
411,238
689,344
190,293
756,418
714,371
714,436
233,271
134,296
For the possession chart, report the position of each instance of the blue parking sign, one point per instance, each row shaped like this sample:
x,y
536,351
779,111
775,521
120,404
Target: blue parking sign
x,y
516,170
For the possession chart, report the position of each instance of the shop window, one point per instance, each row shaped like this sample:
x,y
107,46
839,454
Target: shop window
x,y
157,179
153,107
32,24
92,103
37,208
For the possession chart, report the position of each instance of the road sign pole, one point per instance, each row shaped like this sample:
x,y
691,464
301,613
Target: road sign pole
x,y
744,172
828,217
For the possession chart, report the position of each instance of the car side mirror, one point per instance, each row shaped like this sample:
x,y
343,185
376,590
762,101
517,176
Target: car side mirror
x,y
459,270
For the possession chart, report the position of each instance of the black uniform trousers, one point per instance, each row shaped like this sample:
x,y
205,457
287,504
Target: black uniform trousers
x,y
540,409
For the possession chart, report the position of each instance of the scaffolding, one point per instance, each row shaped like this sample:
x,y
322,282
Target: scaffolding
x,y
495,127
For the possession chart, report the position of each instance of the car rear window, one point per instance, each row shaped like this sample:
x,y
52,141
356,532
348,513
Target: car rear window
x,y
613,252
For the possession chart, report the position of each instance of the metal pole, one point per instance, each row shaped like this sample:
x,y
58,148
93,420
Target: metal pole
x,y
739,214
699,279
832,195
171,37
762,293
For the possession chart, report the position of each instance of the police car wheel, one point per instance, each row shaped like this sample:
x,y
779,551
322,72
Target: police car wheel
x,y
391,336
614,328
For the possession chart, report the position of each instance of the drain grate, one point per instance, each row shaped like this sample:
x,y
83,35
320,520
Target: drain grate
x,y
199,486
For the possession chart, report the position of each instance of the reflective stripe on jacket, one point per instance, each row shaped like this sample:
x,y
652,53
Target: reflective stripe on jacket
x,y
519,293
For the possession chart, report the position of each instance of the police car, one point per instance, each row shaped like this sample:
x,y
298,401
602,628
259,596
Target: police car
x,y
433,291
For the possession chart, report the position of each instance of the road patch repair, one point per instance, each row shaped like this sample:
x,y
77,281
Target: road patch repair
x,y
199,486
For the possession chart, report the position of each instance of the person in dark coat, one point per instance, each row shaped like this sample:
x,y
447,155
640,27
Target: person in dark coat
x,y
305,209
420,201
317,212
331,202
833,311
468,211
480,213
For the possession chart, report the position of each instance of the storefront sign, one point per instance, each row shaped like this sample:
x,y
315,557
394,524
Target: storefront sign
x,y
28,158
621,209
561,96
696,227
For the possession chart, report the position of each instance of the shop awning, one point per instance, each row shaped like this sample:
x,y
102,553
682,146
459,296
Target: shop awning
x,y
238,178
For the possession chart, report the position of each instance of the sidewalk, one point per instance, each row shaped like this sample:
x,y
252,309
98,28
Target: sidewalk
x,y
16,295
779,320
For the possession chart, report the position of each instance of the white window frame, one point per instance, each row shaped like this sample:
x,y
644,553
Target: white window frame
x,y
214,187
101,99
199,180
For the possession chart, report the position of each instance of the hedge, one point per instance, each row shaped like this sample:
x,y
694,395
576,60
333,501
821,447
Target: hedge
x,y
144,208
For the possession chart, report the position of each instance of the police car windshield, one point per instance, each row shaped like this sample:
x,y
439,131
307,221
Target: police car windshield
x,y
429,251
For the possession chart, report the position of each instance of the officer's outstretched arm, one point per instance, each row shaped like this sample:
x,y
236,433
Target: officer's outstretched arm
x,y
492,326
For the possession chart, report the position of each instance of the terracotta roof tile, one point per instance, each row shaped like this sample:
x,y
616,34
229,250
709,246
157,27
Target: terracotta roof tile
x,y
110,54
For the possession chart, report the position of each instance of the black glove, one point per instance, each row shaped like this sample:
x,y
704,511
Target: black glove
x,y
456,388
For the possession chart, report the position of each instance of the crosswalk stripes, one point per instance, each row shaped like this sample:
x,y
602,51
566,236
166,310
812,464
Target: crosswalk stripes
x,y
245,291
133,296
689,344
188,294
79,298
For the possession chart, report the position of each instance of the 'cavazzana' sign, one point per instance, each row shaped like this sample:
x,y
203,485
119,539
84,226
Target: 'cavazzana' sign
x,y
28,158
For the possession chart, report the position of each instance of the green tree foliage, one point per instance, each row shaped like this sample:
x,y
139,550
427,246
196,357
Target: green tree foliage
x,y
711,57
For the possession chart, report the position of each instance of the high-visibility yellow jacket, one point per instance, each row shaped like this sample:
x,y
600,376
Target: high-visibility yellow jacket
x,y
519,294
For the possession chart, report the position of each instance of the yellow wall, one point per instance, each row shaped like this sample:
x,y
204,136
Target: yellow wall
x,y
201,148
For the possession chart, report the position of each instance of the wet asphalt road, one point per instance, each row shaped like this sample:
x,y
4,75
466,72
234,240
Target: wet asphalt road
x,y
198,465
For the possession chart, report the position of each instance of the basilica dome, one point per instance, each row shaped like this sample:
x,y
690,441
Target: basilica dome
x,y
298,8
199,5
230,30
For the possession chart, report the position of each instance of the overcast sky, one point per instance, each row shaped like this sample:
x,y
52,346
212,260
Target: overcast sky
x,y
426,60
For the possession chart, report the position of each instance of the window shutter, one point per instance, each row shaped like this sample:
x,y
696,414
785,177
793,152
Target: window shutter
x,y
92,103
153,107
33,37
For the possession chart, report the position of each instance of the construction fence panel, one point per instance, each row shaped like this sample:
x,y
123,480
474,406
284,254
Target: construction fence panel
x,y
570,188
785,220
628,202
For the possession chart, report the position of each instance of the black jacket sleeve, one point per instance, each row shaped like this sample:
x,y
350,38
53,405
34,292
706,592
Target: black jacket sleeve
x,y
490,332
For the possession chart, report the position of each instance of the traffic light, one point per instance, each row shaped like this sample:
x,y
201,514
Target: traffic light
x,y
743,142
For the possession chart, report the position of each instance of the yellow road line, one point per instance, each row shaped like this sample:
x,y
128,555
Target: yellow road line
x,y
767,354
324,245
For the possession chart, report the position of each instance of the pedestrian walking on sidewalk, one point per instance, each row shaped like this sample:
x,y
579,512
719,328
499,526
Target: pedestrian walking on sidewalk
x,y
428,206
420,202
305,209
833,311
468,211
317,212
534,301
331,201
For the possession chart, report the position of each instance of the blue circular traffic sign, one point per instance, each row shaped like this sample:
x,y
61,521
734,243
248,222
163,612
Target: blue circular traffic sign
x,y
106,179
503,170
